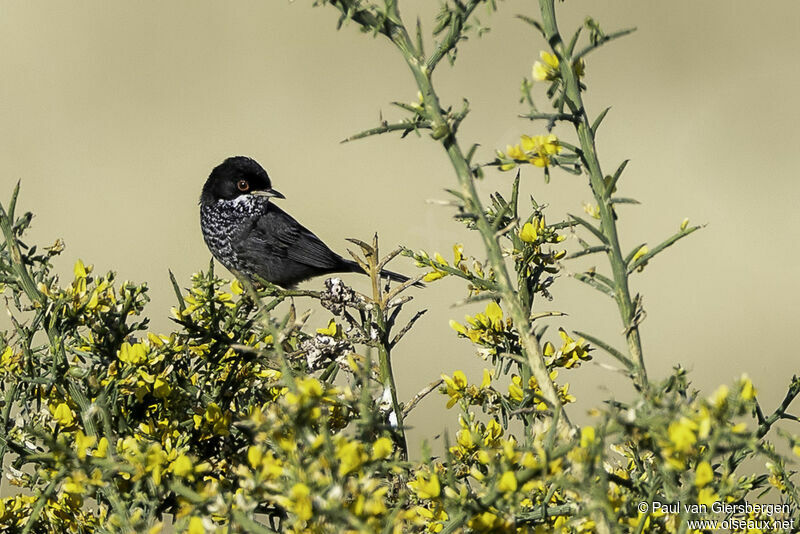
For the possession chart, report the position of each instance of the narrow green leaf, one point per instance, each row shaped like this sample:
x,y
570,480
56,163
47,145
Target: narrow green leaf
x,y
568,146
411,108
406,126
535,23
420,45
564,224
458,194
592,228
593,282
471,152
602,41
574,41
176,288
606,280
586,252
608,348
668,242
632,253
599,119
515,195
540,315
613,183
623,200
12,205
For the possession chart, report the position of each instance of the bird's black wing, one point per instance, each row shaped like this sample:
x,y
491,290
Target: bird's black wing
x,y
275,235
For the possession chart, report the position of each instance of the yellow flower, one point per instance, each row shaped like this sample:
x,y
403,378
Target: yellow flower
x,y
455,387
748,391
515,389
639,253
62,414
133,354
516,153
682,434
351,456
703,474
739,428
301,501
83,442
547,69
332,329
707,496
487,522
528,233
593,210
382,448
196,526
161,388
540,148
236,287
704,424
458,327
9,361
458,253
102,448
464,438
220,421
426,487
508,482
181,466
310,387
587,436
720,396
493,432
434,275
254,455
74,484
80,269
495,315
487,379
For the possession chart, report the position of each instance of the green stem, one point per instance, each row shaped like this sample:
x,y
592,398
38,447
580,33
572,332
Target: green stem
x,y
23,277
384,346
26,282
443,132
387,380
394,28
583,127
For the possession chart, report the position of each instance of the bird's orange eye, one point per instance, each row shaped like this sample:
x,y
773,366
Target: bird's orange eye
x,y
243,185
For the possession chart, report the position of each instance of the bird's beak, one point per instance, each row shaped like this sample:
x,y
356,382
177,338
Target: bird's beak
x,y
269,193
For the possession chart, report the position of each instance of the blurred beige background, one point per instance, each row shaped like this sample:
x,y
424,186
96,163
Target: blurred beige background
x,y
113,113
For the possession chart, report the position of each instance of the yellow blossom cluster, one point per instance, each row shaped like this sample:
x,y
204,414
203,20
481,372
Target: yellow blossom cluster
x,y
548,68
489,328
107,427
441,268
538,150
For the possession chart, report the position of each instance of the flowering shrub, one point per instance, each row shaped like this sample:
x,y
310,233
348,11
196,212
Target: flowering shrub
x,y
241,419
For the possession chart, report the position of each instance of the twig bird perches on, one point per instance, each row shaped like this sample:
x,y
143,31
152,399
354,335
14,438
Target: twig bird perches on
x,y
255,239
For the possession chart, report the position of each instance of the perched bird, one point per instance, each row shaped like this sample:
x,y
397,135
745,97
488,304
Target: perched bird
x,y
254,238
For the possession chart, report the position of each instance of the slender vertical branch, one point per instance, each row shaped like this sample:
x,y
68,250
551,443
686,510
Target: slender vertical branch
x,y
443,132
588,153
386,374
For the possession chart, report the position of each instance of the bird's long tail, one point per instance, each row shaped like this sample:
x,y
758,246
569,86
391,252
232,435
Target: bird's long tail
x,y
391,275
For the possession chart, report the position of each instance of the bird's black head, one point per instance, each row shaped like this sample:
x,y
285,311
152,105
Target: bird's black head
x,y
235,177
